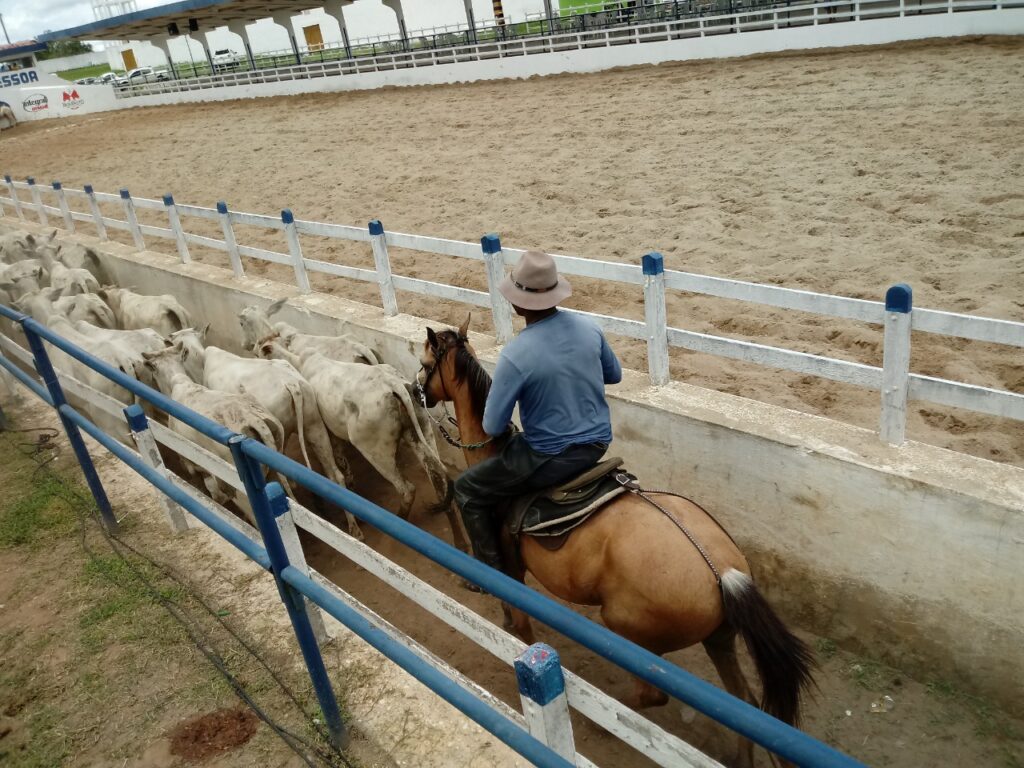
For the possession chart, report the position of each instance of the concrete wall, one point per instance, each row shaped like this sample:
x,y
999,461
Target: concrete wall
x,y
52,66
872,32
36,95
912,555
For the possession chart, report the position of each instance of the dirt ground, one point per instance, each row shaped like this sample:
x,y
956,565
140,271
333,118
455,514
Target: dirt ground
x,y
836,171
94,673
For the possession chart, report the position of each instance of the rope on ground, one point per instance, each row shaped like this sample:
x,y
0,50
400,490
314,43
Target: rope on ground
x,y
42,452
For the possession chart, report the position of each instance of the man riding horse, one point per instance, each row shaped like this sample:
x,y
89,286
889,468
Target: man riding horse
x,y
556,370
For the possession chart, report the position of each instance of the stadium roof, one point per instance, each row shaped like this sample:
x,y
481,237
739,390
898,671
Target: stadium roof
x,y
153,22
20,49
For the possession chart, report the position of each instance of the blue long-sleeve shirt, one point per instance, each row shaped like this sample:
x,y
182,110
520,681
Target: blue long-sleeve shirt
x,y
556,370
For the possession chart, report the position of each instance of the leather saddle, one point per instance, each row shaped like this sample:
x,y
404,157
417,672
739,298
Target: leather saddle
x,y
550,515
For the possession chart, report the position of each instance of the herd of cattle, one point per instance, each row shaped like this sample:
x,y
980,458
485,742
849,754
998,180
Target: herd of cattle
x,y
331,392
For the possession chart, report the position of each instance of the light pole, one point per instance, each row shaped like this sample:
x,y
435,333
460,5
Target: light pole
x,y
4,26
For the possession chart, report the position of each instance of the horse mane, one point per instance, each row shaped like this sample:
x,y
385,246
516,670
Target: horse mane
x,y
468,369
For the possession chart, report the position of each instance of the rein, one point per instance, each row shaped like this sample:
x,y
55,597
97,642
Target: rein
x,y
421,391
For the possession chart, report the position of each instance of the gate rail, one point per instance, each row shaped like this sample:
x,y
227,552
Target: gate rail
x,y
541,685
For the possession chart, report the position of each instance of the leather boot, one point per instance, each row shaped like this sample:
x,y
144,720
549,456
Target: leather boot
x,y
483,535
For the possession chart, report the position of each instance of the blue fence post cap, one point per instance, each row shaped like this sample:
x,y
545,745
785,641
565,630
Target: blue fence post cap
x,y
539,673
7,178
88,189
30,180
136,418
168,199
899,298
222,207
376,227
277,499
490,243
57,185
287,216
653,263
125,195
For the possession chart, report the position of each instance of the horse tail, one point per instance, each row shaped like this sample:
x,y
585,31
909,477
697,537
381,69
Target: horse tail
x,y
782,659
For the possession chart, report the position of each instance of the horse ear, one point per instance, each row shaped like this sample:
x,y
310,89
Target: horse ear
x,y
464,328
431,337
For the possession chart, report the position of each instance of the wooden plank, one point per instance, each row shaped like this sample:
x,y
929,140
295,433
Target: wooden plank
x,y
583,267
969,327
341,270
260,253
337,231
994,402
634,329
209,242
442,291
199,212
800,362
163,232
436,245
256,220
658,745
147,204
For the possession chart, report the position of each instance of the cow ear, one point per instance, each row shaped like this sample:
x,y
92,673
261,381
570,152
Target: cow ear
x,y
30,239
431,338
202,332
464,328
52,236
276,306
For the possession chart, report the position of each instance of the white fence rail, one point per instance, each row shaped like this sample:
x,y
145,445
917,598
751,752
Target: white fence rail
x,y
660,746
894,380
696,24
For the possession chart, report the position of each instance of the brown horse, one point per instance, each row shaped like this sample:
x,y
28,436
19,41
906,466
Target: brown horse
x,y
653,585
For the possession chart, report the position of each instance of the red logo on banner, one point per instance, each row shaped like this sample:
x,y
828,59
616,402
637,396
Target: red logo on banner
x,y
71,98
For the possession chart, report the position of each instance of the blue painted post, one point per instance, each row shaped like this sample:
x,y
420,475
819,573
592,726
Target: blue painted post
x,y
37,201
49,377
179,233
150,454
229,239
261,497
292,235
97,217
656,317
14,197
542,692
899,300
62,201
501,310
383,264
132,219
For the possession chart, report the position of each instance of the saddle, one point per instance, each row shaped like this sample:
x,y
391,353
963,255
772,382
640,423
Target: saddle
x,y
550,515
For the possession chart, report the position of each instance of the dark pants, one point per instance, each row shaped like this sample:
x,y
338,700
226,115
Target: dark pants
x,y
517,470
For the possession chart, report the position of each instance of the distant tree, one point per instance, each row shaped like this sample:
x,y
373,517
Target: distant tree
x,y
58,49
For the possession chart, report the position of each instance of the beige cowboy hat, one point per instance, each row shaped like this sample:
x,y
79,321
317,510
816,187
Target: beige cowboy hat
x,y
534,283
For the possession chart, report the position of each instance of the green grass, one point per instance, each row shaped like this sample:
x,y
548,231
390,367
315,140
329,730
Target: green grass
x,y
36,514
92,71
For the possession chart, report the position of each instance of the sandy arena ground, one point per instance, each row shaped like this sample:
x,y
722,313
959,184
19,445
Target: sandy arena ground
x,y
841,172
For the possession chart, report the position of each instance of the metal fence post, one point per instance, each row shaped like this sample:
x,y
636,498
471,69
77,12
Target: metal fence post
x,y
14,197
656,318
501,310
279,506
256,488
65,211
150,454
542,693
132,219
179,233
97,217
383,264
45,369
229,239
292,235
37,201
896,363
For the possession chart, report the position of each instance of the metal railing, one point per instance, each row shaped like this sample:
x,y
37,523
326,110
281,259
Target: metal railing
x,y
276,548
893,380
613,24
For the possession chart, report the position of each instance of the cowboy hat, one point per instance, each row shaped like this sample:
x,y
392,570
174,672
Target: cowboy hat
x,y
534,283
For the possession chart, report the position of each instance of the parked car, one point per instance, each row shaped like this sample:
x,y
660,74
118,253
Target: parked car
x,y
85,81
141,75
106,77
225,58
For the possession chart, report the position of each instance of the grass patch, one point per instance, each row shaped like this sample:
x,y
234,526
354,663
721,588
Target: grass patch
x,y
826,648
37,511
94,70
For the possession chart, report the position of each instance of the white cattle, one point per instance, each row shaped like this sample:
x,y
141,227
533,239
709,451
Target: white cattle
x,y
370,408
134,310
15,246
256,327
85,306
133,343
277,386
239,413
67,280
7,118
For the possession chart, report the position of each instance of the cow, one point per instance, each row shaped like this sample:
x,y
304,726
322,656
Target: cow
x,y
276,385
370,408
239,413
133,310
69,281
16,246
84,306
256,327
7,118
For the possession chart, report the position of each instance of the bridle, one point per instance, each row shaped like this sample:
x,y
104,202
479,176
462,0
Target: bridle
x,y
421,392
